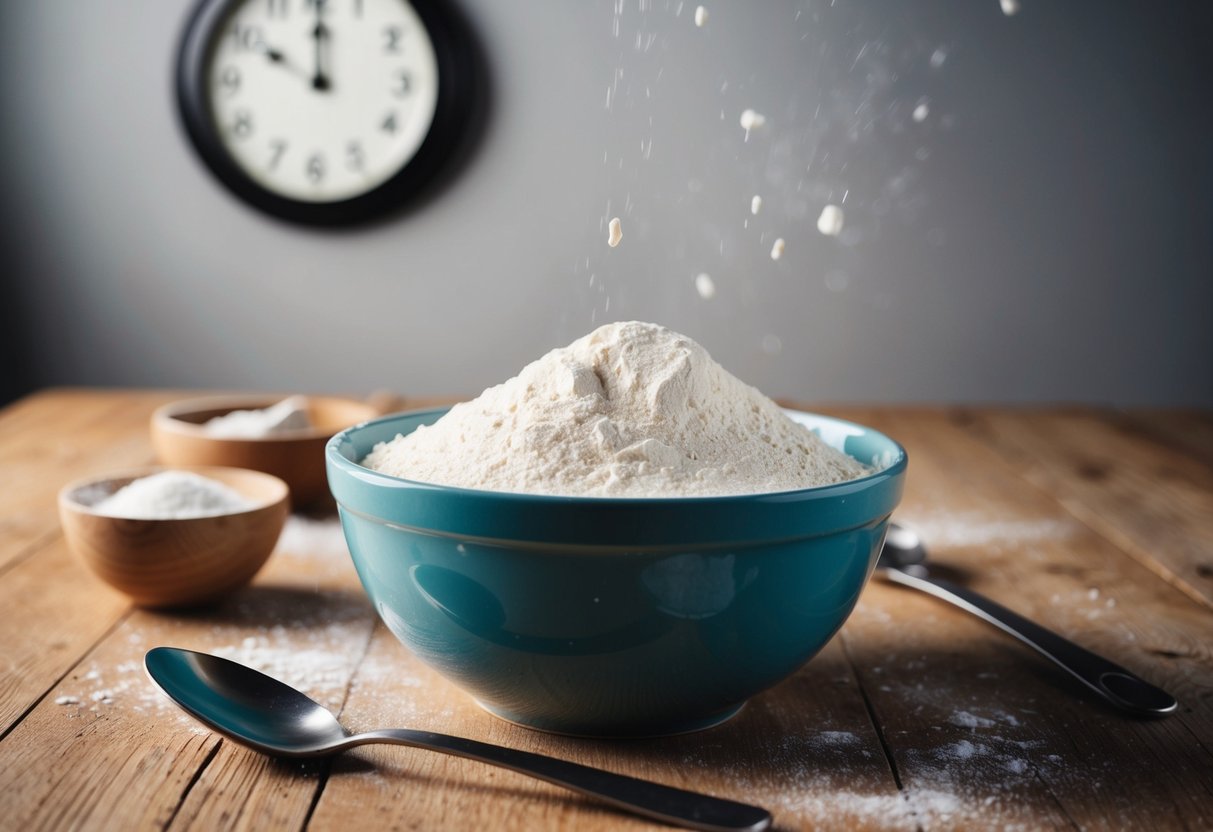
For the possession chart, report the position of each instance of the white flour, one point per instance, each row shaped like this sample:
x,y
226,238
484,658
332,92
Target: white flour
x,y
614,233
751,120
288,414
630,410
831,219
172,495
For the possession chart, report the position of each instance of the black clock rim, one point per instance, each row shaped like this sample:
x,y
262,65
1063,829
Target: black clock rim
x,y
454,57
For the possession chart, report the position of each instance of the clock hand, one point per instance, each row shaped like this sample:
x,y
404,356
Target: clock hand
x,y
277,56
320,80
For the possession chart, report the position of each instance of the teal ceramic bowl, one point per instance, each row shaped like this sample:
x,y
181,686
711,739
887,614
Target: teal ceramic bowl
x,y
613,617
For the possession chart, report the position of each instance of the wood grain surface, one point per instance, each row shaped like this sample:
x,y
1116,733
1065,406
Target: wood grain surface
x,y
1098,524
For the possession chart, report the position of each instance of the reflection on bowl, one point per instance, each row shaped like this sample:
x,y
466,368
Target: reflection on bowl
x,y
178,562
616,617
295,456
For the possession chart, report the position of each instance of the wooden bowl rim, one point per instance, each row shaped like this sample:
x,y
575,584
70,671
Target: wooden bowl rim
x,y
168,417
68,501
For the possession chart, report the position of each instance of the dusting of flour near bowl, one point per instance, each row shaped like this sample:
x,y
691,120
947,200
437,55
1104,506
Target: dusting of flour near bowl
x,y
630,410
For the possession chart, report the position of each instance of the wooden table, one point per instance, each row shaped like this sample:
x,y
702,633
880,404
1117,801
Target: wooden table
x,y
1096,523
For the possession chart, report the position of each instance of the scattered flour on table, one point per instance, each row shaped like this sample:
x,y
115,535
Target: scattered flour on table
x,y
975,529
630,410
979,763
122,686
172,495
287,415
317,542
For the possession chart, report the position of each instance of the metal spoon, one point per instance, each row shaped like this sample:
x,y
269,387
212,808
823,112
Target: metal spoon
x,y
903,561
274,718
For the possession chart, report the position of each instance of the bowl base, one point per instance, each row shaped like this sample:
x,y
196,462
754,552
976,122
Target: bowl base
x,y
645,731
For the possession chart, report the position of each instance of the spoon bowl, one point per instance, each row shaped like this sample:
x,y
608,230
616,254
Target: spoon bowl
x,y
271,717
902,549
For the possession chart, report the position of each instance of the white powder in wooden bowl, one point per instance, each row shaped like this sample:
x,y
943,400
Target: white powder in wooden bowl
x,y
287,415
630,410
172,495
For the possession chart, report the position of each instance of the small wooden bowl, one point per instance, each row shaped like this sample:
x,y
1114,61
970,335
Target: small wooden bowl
x,y
168,563
295,456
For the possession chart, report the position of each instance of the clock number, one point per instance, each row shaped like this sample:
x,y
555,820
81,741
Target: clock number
x,y
229,80
277,149
315,168
242,127
391,39
389,123
404,84
248,38
354,155
275,8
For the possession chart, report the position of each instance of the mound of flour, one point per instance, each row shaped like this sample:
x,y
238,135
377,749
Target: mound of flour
x,y
172,495
630,410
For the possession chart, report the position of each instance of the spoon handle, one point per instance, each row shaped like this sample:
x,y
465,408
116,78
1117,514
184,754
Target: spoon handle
x,y
653,800
1123,689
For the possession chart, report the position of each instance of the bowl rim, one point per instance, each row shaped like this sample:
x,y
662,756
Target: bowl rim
x,y
68,501
506,515
168,417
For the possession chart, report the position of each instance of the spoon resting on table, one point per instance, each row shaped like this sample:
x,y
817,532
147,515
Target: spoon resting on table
x,y
271,717
903,561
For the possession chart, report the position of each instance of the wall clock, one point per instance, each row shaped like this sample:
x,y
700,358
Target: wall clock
x,y
325,112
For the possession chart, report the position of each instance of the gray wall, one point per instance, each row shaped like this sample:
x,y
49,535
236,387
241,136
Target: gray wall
x,y
1045,234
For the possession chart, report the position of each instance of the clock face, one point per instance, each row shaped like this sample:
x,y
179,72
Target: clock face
x,y
319,110
321,101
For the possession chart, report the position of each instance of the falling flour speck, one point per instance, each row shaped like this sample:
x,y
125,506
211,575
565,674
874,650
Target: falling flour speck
x,y
921,112
755,205
1009,7
615,232
701,16
777,249
705,286
830,221
751,120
